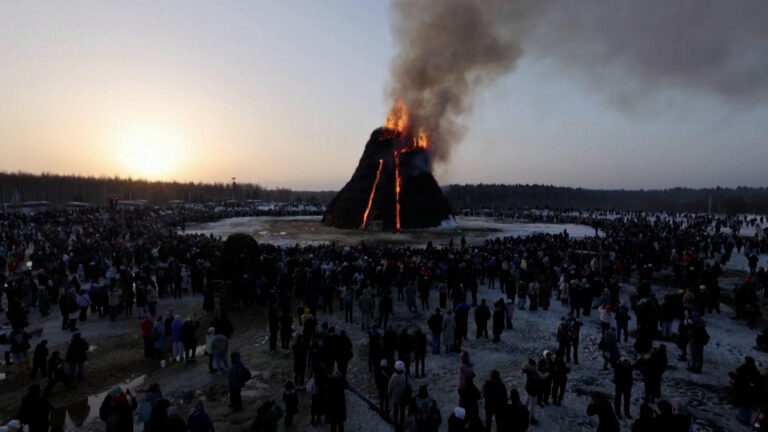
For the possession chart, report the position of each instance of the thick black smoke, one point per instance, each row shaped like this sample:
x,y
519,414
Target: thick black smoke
x,y
625,50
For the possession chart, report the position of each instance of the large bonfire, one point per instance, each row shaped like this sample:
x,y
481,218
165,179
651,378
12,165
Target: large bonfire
x,y
393,182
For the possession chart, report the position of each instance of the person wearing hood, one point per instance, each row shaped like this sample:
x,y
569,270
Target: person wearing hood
x,y
177,344
158,337
146,335
397,390
747,384
495,395
77,354
238,376
199,420
117,410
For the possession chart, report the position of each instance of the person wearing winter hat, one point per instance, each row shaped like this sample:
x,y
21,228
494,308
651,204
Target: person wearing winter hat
x,y
398,393
456,421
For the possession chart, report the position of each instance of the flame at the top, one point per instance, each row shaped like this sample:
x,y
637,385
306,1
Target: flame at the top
x,y
399,121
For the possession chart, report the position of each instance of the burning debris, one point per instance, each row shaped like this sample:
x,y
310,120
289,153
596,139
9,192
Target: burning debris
x,y
393,182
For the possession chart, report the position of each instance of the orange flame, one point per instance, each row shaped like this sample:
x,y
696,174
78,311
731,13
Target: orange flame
x,y
370,198
397,119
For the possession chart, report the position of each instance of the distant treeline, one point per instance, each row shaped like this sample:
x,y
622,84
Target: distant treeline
x,y
60,189
499,196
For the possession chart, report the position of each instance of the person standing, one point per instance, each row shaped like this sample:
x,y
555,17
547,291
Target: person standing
x,y
622,380
495,395
77,354
336,412
40,359
397,391
291,401
238,376
498,320
435,324
482,315
599,405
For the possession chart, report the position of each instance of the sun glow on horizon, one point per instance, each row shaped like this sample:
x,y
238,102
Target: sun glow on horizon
x,y
149,152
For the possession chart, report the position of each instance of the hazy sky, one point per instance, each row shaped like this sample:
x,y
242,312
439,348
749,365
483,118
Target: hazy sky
x,y
286,93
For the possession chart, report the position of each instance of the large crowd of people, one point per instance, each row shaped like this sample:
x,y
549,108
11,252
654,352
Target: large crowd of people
x,y
656,271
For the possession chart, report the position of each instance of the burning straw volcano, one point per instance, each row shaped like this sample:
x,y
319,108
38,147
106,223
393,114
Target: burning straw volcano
x,y
393,182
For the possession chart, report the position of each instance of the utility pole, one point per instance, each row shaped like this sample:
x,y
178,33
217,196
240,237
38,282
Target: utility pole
x,y
233,187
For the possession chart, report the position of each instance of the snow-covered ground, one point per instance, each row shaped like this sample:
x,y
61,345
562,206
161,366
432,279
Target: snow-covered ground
x,y
309,230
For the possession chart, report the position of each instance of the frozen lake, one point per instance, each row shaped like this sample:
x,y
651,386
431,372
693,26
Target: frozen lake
x,y
306,230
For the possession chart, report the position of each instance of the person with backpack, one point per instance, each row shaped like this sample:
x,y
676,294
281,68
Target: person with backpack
x,y
151,397
238,376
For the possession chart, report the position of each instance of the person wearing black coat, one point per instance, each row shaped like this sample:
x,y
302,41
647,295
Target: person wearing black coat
x,y
495,395
469,395
404,347
77,354
286,331
622,380
517,417
40,359
117,410
559,373
382,375
482,315
189,338
499,315
299,361
419,351
274,327
646,421
35,410
343,352
747,384
336,403
599,405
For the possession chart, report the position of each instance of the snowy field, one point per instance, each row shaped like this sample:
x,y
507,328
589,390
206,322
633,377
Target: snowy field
x,y
307,230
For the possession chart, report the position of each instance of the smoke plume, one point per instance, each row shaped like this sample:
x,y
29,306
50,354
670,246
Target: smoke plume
x,y
623,50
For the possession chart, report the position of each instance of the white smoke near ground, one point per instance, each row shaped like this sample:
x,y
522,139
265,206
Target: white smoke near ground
x,y
623,50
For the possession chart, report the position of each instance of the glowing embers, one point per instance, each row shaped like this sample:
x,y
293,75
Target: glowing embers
x,y
370,198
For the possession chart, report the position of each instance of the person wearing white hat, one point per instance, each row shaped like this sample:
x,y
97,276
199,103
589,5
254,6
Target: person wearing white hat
x,y
398,392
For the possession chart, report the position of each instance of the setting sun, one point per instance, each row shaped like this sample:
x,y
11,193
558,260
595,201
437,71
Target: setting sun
x,y
149,152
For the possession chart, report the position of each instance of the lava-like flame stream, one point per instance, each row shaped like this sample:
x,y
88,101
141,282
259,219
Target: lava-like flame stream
x,y
399,122
370,198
